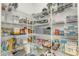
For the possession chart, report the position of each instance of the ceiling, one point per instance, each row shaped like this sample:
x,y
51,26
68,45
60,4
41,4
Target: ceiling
x,y
30,8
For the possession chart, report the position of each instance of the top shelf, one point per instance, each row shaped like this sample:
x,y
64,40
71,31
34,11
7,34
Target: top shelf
x,y
45,24
72,22
13,24
62,23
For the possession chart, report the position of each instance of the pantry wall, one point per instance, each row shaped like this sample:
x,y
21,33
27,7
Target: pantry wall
x,y
51,32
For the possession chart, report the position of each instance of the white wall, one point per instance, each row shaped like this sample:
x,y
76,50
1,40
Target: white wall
x,y
62,16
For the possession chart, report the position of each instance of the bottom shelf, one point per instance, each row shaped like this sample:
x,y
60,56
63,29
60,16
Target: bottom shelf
x,y
71,53
6,53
